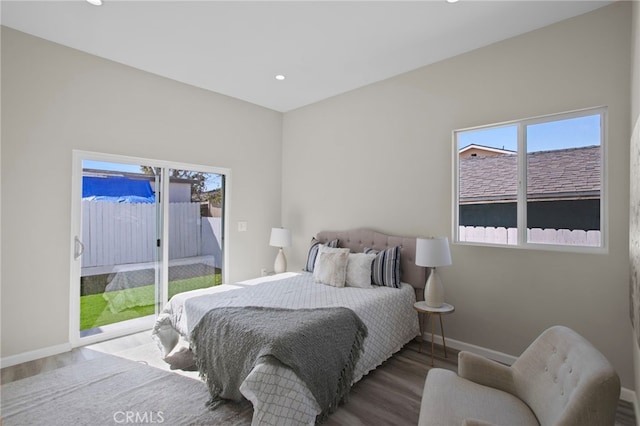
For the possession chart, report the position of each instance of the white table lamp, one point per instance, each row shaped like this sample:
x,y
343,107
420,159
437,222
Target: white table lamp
x,y
433,252
280,237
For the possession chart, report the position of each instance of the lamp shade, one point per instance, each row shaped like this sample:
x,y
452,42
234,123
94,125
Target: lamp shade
x,y
433,252
280,237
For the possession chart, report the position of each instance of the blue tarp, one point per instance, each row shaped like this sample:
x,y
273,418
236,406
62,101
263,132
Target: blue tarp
x,y
117,189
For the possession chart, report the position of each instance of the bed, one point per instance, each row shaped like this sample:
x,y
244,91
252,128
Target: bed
x,y
278,395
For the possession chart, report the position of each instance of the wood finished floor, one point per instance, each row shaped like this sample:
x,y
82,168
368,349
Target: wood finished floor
x,y
389,395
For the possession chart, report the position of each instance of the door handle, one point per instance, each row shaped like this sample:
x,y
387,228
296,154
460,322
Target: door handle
x,y
78,248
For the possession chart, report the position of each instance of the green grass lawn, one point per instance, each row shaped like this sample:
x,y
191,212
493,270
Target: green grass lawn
x,y
94,311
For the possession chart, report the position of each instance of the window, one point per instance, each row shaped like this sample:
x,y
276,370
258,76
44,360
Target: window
x,y
535,183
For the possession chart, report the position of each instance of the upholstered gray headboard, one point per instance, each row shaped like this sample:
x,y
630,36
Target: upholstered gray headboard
x,y
357,239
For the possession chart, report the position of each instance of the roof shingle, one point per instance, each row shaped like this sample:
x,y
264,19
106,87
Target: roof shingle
x,y
562,173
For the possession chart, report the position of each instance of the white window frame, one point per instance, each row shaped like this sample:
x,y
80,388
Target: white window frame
x,y
522,242
78,157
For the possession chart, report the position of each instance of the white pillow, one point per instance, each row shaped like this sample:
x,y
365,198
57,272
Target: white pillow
x,y
331,268
326,249
359,270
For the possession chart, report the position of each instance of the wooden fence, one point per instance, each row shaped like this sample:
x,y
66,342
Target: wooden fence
x,y
123,233
492,235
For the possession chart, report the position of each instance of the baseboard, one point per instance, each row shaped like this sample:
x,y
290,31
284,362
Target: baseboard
x,y
627,395
479,350
11,360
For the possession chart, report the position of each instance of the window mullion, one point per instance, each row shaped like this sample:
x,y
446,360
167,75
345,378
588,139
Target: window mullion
x,y
522,184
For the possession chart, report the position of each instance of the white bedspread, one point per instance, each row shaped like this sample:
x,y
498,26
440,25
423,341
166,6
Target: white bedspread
x,y
279,397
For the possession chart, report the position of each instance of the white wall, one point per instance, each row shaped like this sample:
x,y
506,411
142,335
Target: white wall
x,y
381,157
635,173
54,100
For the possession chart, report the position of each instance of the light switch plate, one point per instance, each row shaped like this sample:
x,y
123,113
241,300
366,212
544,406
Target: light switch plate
x,y
242,226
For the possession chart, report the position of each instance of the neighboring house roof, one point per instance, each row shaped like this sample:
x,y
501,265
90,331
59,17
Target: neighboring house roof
x,y
130,175
565,173
117,189
125,187
485,150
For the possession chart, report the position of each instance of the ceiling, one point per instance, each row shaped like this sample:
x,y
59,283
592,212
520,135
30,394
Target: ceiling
x,y
324,48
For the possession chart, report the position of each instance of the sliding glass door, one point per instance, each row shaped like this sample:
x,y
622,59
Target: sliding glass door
x,y
195,230
133,247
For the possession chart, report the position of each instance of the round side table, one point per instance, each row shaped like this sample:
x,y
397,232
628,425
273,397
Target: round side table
x,y
429,312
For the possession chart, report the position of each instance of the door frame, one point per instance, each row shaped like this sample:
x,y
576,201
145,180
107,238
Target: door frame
x,y
78,156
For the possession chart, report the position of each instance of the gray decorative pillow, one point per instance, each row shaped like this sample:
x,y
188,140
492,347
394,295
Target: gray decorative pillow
x,y
385,269
331,268
326,249
313,252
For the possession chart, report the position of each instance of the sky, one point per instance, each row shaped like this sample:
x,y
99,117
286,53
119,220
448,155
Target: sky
x,y
571,133
213,180
101,165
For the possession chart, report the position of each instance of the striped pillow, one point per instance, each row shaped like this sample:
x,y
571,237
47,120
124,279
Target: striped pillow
x,y
313,252
385,269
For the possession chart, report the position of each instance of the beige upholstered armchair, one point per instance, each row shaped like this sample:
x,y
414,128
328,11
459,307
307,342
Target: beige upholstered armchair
x,y
560,379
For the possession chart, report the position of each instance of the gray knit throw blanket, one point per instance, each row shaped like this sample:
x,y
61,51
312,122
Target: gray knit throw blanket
x,y
322,346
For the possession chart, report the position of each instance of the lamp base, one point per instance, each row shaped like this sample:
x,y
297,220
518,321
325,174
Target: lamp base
x,y
281,263
434,291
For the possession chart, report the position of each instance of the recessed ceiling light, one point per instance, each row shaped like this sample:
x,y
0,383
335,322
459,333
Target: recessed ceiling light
x,y
95,2
452,1
280,77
